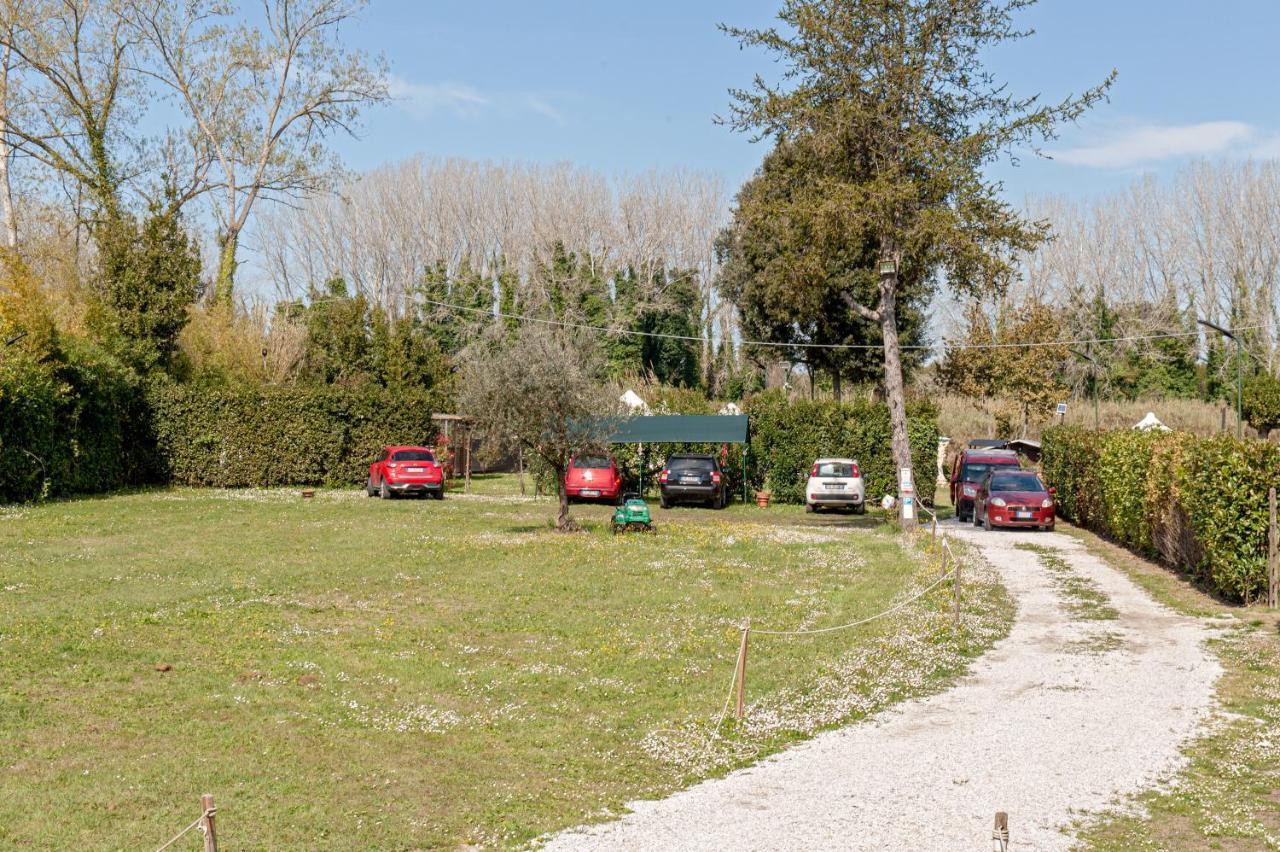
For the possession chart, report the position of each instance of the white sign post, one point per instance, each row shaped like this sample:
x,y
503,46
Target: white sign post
x,y
906,491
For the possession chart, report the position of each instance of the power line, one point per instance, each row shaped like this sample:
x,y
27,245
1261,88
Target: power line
x,y
847,346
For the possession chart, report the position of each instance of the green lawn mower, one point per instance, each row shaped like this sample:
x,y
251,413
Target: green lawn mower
x,y
632,516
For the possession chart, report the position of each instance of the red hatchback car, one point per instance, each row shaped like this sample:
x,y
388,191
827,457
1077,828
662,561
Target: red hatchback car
x,y
593,477
405,470
1014,498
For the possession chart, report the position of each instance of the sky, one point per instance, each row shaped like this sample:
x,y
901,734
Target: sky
x,y
624,87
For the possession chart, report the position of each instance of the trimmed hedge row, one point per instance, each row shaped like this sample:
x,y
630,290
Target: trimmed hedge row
x,y
1197,504
786,437
274,436
77,426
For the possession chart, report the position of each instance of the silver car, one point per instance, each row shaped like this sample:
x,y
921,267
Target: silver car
x,y
837,483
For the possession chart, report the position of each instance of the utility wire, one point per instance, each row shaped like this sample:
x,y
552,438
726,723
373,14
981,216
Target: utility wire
x,y
769,343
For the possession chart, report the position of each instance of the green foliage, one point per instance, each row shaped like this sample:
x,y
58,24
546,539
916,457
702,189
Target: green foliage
x,y
75,424
1198,504
1260,402
786,437
271,436
148,277
790,286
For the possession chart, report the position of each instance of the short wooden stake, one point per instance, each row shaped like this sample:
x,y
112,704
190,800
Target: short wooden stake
x,y
206,823
1000,832
741,676
1273,556
945,550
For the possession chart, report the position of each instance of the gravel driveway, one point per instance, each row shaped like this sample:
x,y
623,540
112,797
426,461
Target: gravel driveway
x,y
1065,715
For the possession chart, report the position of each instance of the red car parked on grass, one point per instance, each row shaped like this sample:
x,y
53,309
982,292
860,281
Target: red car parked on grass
x,y
1014,498
405,470
593,477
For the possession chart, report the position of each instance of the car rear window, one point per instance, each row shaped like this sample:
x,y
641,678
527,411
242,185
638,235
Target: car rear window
x,y
412,455
1016,482
591,462
975,471
835,469
691,464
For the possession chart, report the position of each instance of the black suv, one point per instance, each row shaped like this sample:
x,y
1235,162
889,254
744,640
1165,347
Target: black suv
x,y
692,478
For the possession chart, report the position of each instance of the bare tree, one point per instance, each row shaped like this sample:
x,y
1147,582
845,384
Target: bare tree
x,y
69,93
262,101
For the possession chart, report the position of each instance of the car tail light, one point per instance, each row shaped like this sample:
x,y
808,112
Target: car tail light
x,y
662,477
856,472
715,477
813,471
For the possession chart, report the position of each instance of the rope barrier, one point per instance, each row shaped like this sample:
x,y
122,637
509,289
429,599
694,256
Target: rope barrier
x,y
867,620
208,814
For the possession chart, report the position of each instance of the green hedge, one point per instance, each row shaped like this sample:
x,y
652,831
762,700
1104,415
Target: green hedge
x,y
786,437
76,425
273,436
1198,504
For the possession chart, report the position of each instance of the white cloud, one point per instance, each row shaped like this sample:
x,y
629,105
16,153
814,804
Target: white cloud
x,y
1150,144
427,99
543,107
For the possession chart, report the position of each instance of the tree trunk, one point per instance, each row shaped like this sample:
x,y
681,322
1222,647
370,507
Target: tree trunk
x,y
835,384
225,282
6,188
563,523
895,392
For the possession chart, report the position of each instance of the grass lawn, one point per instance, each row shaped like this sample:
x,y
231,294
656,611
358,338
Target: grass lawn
x,y
354,673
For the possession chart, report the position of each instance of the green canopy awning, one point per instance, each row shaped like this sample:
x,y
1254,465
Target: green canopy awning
x,y
682,429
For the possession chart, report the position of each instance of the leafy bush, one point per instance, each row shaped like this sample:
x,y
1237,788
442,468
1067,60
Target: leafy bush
x,y
1260,403
77,423
1198,504
270,436
787,436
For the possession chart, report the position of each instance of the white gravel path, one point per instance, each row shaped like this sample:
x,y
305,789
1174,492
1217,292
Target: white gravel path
x,y
1041,729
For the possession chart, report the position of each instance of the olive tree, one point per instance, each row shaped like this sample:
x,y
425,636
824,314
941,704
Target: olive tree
x,y
541,390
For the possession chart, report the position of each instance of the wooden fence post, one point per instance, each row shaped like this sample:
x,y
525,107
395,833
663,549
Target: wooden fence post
x,y
1273,556
1000,832
741,676
945,549
206,823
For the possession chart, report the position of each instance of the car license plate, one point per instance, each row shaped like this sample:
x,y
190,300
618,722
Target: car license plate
x,y
1023,516
689,479
415,470
834,486
589,492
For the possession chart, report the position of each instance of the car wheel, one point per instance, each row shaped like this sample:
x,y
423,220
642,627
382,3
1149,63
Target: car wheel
x,y
808,507
662,501
384,492
369,490
439,495
986,521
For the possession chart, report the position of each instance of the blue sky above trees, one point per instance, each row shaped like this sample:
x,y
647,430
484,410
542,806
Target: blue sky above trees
x,y
623,87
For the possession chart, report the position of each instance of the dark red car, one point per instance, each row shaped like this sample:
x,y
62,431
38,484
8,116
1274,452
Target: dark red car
x,y
406,470
970,468
1014,498
593,477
